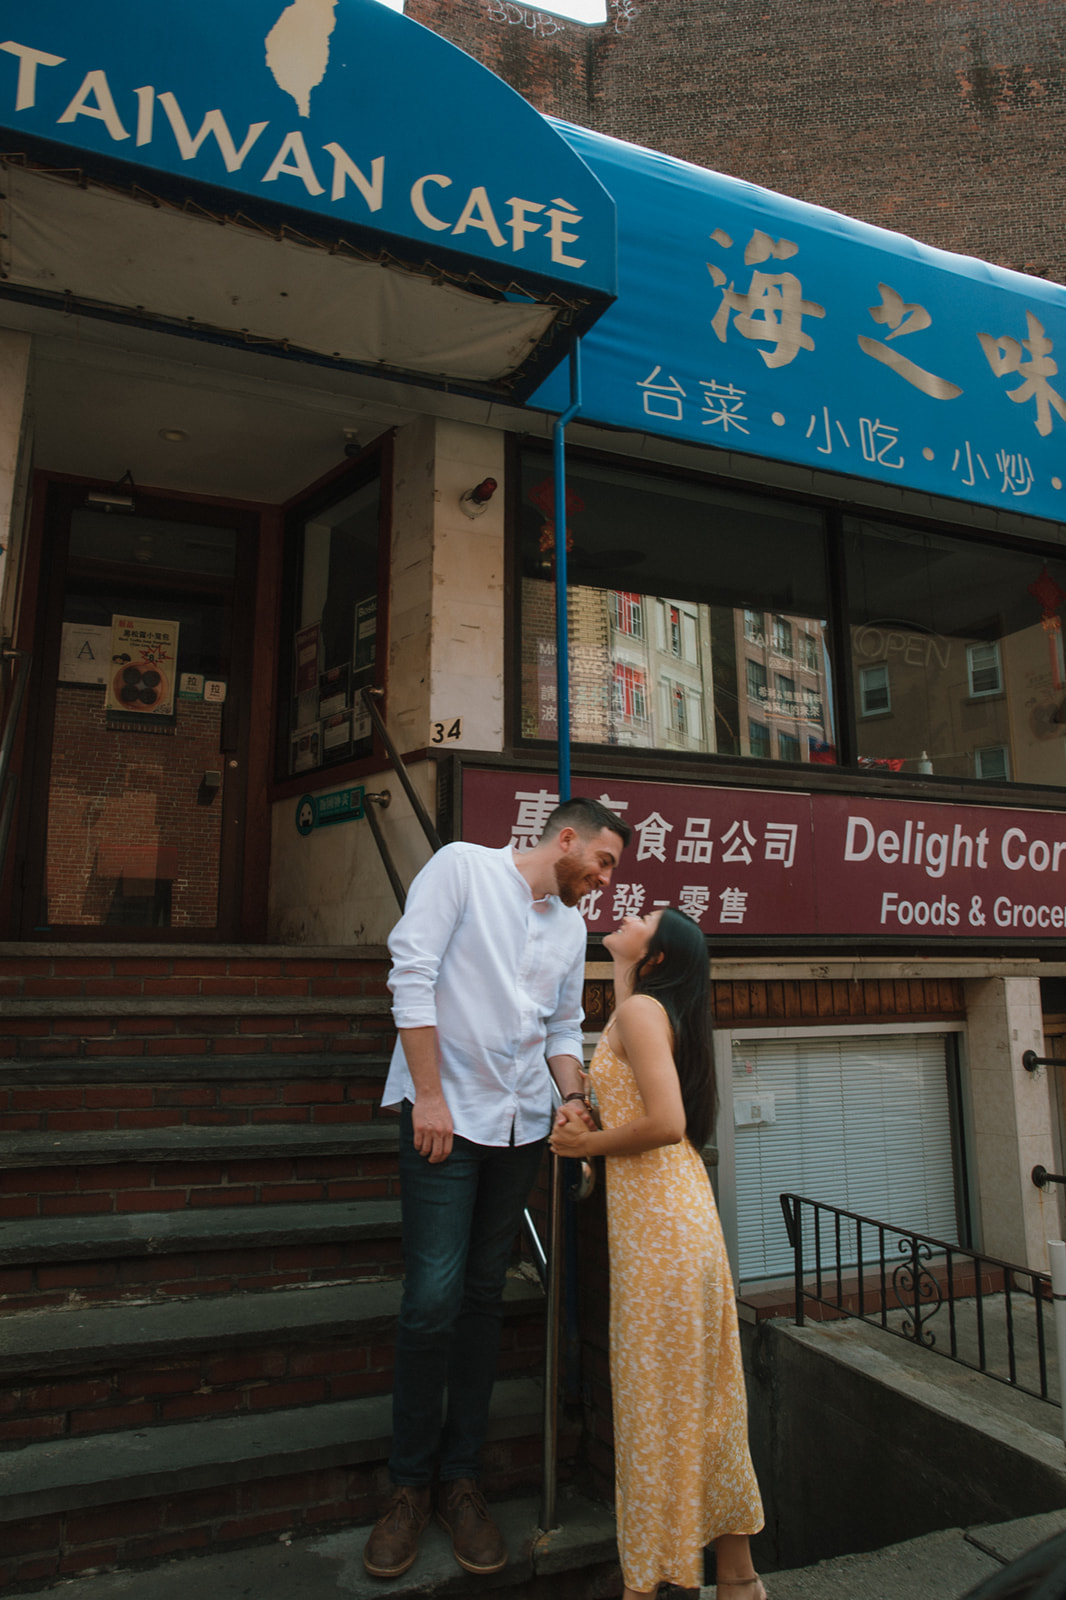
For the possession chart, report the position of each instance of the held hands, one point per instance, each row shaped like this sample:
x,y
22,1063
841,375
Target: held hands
x,y
431,1122
573,1124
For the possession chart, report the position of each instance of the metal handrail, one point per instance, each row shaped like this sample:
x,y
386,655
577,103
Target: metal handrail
x,y
370,804
12,711
369,695
916,1285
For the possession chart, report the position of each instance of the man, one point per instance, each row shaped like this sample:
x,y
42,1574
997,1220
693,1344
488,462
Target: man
x,y
488,964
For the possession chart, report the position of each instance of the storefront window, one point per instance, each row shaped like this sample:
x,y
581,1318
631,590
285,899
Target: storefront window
x,y
957,656
686,603
334,629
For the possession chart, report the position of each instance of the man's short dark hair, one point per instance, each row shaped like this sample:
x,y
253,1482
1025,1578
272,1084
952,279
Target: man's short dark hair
x,y
586,817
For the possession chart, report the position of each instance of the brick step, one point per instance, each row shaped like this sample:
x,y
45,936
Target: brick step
x,y
109,1000
576,1561
167,1169
195,1091
71,1372
189,1068
144,1494
49,1261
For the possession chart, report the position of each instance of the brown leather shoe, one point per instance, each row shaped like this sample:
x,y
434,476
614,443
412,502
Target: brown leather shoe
x,y
477,1542
393,1543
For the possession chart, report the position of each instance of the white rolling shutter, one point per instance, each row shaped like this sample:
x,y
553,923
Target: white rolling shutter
x,y
862,1124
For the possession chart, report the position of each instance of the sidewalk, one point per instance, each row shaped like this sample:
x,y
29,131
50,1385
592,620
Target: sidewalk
x,y
945,1565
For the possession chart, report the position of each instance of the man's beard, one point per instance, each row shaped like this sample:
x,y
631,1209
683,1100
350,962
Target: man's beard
x,y
570,880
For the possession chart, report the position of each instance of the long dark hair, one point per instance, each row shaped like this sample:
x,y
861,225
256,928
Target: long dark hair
x,y
680,981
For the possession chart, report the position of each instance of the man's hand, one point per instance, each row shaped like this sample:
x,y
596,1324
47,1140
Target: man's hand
x,y
431,1122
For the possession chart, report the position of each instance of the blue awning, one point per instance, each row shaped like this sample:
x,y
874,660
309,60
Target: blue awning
x,y
335,126
750,322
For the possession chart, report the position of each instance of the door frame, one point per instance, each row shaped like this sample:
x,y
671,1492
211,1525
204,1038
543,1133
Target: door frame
x,y
56,496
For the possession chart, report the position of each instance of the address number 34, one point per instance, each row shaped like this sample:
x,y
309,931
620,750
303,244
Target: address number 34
x,y
443,732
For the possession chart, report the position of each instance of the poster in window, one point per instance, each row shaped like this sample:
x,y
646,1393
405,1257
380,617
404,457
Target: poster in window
x,y
334,687
364,659
142,676
306,748
306,658
337,736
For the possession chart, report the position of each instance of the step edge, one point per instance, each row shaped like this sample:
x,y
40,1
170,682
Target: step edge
x,y
96,1350
347,1446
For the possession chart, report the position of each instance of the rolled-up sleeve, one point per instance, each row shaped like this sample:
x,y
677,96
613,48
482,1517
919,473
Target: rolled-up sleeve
x,y
418,941
563,1036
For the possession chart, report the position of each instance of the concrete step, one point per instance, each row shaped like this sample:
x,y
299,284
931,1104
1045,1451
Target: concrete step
x,y
49,1261
72,1372
141,1495
577,1559
208,1143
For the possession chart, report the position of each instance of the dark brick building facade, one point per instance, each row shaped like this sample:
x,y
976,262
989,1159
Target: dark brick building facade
x,y
942,119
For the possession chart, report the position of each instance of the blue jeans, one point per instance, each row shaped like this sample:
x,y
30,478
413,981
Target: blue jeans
x,y
460,1218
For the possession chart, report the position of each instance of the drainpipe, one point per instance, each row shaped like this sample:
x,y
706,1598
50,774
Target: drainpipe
x,y
562,640
561,1203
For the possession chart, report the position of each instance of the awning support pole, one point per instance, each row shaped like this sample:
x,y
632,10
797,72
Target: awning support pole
x,y
562,629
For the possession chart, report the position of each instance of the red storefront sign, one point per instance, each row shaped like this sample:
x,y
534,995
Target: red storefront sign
x,y
762,862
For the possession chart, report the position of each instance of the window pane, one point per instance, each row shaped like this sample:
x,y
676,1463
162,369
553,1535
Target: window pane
x,y
720,586
758,739
335,631
956,656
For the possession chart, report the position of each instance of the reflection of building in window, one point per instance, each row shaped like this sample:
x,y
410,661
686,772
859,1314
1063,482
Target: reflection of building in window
x,y
678,720
755,627
755,673
627,613
810,652
758,738
782,637
874,690
992,763
982,661
785,702
788,747
630,693
675,631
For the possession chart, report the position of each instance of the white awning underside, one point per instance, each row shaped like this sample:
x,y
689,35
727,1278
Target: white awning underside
x,y
155,260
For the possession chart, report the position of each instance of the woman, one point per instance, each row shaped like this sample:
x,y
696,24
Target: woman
x,y
683,1471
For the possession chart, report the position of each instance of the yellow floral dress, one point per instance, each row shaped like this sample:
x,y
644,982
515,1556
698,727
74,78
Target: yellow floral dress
x,y
683,1472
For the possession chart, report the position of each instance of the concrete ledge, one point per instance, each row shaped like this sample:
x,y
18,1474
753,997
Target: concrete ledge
x,y
940,1447
43,1342
161,1233
194,1143
112,1468
42,1071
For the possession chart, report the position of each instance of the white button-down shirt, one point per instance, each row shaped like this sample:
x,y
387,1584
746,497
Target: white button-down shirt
x,y
499,975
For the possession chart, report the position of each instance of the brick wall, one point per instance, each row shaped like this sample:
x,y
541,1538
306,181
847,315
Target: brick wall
x,y
123,791
938,118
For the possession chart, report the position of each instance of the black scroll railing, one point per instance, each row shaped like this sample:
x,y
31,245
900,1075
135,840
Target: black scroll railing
x,y
986,1314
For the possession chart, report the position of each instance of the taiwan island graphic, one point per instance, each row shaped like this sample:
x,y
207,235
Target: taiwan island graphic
x,y
297,48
